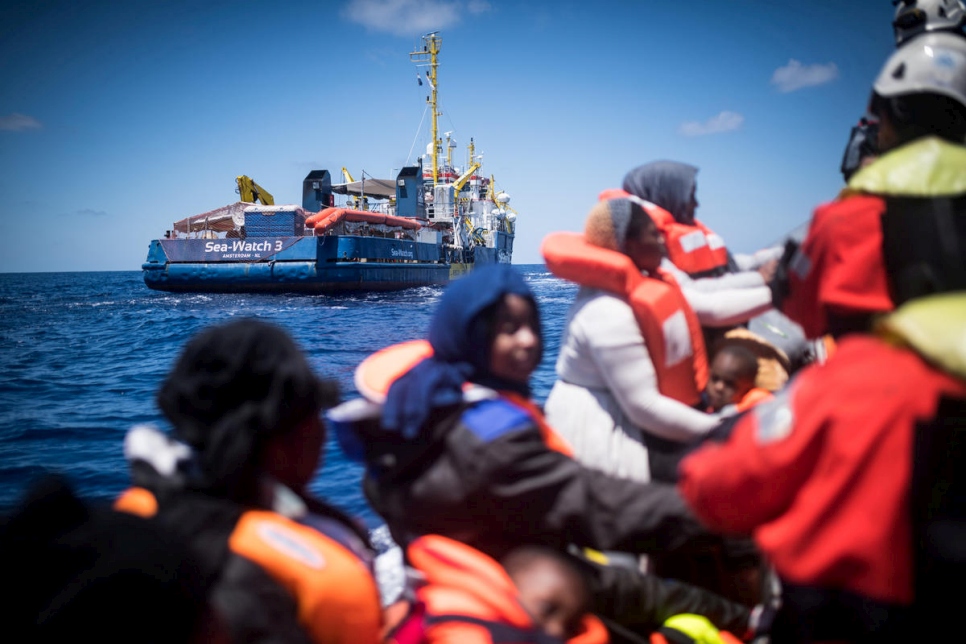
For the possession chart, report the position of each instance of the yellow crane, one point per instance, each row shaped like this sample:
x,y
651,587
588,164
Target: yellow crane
x,y
250,192
458,184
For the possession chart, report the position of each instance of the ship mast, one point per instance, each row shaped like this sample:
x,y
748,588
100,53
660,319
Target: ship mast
x,y
430,52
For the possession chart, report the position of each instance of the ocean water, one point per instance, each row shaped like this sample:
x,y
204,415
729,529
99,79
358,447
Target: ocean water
x,y
83,354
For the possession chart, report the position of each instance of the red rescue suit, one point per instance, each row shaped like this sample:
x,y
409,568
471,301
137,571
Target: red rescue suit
x,y
821,475
840,269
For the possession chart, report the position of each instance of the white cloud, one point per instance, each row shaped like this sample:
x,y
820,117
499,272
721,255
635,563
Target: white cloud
x,y
411,17
19,122
724,122
795,75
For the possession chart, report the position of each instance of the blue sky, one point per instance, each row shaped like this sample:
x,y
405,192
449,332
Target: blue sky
x,y
118,118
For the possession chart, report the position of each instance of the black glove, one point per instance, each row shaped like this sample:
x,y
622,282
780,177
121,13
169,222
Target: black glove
x,y
779,283
863,143
761,620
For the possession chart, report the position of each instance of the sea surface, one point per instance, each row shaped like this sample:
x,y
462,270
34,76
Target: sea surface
x,y
82,355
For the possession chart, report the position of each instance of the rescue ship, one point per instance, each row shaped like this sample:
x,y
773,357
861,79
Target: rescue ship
x,y
430,223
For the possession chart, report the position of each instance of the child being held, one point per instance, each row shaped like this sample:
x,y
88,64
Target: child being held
x,y
731,380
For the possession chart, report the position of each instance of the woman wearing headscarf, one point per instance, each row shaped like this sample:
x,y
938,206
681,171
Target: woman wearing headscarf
x,y
698,258
632,362
245,409
453,446
692,247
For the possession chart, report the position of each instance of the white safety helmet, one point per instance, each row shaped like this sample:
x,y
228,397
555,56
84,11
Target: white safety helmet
x,y
914,17
934,63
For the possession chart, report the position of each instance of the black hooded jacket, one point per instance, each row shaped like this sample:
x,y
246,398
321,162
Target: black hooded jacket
x,y
483,474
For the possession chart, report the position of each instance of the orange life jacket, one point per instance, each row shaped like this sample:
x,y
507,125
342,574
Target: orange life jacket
x,y
754,396
668,324
375,375
468,597
335,594
694,248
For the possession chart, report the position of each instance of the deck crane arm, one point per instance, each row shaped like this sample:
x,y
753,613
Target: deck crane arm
x,y
348,177
459,183
251,192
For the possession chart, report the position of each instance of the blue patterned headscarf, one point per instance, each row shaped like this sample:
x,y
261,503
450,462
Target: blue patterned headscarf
x,y
460,336
665,183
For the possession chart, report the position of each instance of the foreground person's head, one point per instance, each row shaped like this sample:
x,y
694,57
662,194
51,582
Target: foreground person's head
x,y
81,570
243,395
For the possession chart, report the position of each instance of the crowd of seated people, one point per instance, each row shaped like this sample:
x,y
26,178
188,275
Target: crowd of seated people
x,y
687,482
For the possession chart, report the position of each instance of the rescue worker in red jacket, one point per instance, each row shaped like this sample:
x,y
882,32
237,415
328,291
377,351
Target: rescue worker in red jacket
x,y
851,479
897,215
833,479
286,567
453,446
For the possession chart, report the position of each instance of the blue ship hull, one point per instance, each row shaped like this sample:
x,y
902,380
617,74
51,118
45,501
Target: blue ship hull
x,y
324,264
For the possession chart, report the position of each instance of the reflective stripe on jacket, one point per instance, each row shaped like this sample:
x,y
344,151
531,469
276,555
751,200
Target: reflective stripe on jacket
x,y
694,248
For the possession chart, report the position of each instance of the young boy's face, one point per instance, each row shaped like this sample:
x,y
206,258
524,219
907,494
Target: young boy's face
x,y
553,597
725,384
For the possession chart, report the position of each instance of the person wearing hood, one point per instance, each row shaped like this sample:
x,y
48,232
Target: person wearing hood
x,y
245,409
452,445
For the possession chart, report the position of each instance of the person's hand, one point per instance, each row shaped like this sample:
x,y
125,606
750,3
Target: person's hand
x,y
767,270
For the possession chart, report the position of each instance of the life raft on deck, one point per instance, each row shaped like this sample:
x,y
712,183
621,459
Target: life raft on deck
x,y
329,217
